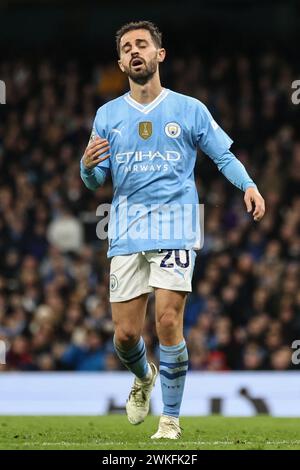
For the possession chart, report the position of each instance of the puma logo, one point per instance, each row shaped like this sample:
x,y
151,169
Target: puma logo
x,y
118,131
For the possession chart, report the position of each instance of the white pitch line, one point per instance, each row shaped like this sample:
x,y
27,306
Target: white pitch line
x,y
119,443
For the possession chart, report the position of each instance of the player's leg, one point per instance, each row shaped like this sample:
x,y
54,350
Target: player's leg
x,y
129,295
173,358
171,274
128,318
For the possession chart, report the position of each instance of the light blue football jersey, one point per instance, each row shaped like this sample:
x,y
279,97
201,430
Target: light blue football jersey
x,y
153,152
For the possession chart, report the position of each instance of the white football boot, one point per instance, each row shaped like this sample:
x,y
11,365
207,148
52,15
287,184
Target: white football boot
x,y
168,428
137,405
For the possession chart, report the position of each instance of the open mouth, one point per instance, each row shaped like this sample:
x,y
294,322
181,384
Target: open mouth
x,y
137,62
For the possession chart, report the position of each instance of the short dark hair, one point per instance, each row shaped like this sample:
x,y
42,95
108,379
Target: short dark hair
x,y
133,25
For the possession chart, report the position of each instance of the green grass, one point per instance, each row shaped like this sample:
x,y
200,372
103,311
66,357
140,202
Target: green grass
x,y
114,432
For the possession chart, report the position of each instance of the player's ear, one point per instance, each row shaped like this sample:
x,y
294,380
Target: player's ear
x,y
161,55
121,65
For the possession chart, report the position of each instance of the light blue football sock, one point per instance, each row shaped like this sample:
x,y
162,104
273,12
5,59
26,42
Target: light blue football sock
x,y
173,368
134,359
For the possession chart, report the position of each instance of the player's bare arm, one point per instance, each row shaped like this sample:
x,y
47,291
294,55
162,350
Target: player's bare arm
x,y
94,151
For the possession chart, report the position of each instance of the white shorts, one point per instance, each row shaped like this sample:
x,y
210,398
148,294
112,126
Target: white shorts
x,y
138,273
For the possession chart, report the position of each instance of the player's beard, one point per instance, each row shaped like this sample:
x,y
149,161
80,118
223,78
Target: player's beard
x,y
142,76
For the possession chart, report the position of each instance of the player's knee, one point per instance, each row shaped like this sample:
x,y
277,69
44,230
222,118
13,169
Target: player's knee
x,y
126,337
168,320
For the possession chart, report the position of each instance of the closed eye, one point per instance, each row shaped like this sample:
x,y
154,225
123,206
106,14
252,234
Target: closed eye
x,y
141,44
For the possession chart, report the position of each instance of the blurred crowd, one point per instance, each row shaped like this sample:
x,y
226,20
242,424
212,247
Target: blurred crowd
x,y
244,312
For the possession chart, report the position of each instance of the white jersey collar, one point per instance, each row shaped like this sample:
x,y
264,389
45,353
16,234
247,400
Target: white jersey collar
x,y
146,108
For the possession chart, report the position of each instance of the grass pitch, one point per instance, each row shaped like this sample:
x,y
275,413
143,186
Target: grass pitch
x,y
114,432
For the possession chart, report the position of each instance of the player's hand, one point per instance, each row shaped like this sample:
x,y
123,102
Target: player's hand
x,y
92,155
253,197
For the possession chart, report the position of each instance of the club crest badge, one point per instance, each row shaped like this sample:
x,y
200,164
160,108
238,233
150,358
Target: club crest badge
x,y
113,282
173,130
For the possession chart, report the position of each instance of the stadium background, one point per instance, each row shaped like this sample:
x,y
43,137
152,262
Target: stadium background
x,y
58,61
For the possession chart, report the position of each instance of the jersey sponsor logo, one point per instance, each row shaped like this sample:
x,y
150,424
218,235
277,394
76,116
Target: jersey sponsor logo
x,y
140,156
173,130
145,129
145,168
150,161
